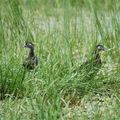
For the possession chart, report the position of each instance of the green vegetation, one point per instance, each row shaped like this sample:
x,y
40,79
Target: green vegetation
x,y
65,33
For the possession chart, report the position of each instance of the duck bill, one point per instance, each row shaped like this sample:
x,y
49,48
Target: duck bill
x,y
105,49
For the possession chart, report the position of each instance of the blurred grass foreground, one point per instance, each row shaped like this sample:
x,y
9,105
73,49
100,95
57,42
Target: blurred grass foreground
x,y
65,33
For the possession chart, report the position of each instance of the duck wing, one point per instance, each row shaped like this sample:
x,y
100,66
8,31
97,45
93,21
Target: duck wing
x,y
30,63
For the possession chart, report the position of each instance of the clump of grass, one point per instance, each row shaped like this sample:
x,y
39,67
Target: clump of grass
x,y
11,81
12,73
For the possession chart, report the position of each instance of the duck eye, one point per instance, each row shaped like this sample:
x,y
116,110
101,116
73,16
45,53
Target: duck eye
x,y
30,44
99,47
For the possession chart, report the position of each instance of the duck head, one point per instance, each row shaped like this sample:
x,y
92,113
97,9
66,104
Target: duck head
x,y
29,45
100,48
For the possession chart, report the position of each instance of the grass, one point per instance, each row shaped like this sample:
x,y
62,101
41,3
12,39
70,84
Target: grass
x,y
64,33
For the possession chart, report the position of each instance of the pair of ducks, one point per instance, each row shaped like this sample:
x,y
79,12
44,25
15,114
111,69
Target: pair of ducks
x,y
32,61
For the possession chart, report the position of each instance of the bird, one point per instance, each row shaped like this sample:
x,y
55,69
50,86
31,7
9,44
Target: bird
x,y
90,68
31,61
83,75
87,71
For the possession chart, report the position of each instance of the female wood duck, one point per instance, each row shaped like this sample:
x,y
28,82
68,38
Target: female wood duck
x,y
31,61
86,73
90,68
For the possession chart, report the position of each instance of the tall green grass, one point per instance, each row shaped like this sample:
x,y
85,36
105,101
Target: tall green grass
x,y
65,33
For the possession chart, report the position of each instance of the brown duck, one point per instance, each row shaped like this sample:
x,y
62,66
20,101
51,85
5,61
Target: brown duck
x,y
90,68
31,61
86,72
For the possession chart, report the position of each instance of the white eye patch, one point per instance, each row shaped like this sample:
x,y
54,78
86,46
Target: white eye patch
x,y
30,44
99,47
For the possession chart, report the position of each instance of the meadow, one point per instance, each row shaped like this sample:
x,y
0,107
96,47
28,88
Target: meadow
x,y
65,33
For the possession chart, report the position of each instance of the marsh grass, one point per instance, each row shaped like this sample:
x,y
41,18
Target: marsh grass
x,y
65,34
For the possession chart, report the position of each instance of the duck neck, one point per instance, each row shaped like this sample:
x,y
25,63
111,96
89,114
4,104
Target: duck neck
x,y
97,57
31,53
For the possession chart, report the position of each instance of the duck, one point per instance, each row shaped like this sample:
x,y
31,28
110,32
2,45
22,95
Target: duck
x,y
32,60
83,75
90,68
96,57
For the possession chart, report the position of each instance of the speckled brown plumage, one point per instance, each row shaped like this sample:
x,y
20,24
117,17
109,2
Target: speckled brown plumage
x,y
31,61
90,68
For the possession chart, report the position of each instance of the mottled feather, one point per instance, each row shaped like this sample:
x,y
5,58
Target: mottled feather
x,y
31,61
